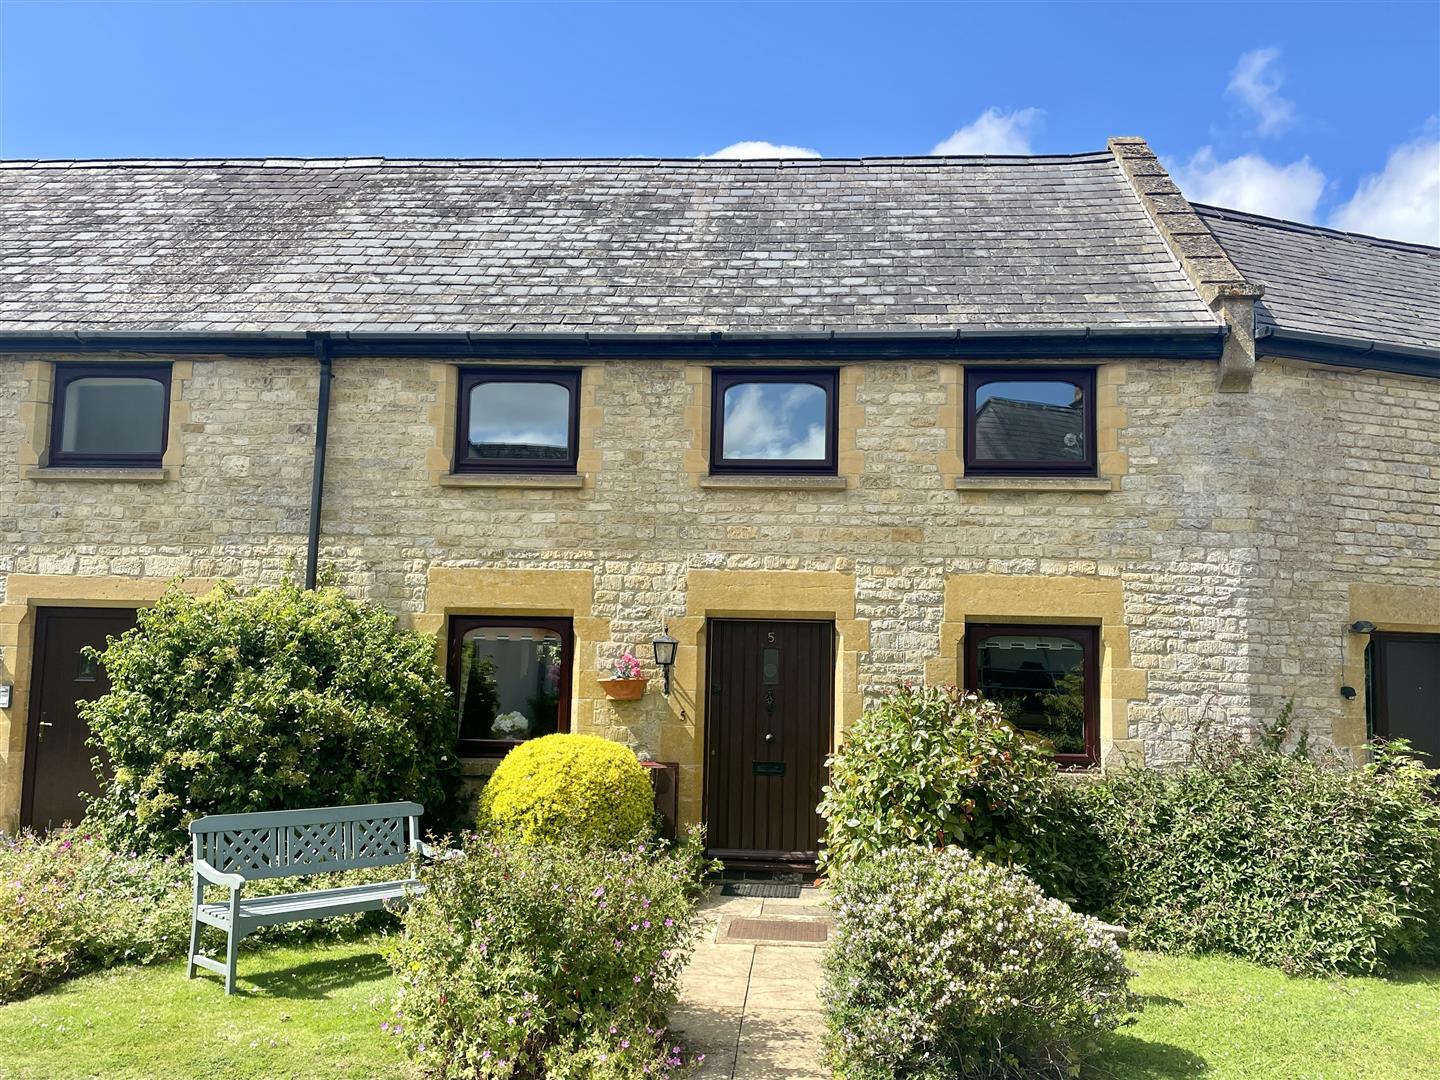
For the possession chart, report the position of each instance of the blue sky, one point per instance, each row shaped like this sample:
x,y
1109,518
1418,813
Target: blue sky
x,y
1291,109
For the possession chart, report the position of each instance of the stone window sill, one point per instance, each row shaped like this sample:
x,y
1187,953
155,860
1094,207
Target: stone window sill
x,y
776,482
513,480
1092,485
134,476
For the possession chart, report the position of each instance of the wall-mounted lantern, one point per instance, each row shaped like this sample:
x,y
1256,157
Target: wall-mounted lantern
x,y
1362,626
664,646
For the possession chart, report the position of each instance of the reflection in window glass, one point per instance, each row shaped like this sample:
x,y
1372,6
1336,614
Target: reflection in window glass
x,y
1030,421
774,421
510,682
113,416
522,420
1039,683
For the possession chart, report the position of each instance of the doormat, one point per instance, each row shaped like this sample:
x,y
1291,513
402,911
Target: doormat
x,y
777,930
773,890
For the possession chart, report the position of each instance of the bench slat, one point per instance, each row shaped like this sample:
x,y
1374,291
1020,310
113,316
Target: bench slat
x,y
297,907
269,818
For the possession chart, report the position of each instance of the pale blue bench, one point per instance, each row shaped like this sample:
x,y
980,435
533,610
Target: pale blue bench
x,y
233,849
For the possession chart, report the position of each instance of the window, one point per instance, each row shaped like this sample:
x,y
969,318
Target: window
x,y
1038,421
773,421
518,420
511,679
1046,681
113,416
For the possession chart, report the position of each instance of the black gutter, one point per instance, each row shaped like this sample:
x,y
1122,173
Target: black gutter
x,y
320,342
1347,352
1180,343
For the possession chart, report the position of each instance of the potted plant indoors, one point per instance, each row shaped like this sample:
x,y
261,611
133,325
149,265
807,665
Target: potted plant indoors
x,y
627,682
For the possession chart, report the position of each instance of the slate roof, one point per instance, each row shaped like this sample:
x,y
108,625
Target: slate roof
x,y
596,245
1011,430
1320,281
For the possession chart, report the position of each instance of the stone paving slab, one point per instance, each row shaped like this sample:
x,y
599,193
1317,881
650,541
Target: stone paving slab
x,y
752,1009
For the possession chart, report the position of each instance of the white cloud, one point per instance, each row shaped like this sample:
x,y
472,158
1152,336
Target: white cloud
x,y
1402,201
775,422
742,151
1252,183
1256,82
993,132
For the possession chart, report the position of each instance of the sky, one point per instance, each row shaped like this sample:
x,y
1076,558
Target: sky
x,y
1320,112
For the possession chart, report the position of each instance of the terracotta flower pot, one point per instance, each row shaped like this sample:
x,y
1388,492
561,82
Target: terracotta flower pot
x,y
623,689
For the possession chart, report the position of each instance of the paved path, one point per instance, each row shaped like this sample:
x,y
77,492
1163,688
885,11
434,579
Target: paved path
x,y
753,1008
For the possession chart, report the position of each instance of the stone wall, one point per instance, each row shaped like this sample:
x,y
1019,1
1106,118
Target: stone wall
x,y
1220,560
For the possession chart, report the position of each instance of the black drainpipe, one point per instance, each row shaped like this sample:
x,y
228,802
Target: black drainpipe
x,y
321,344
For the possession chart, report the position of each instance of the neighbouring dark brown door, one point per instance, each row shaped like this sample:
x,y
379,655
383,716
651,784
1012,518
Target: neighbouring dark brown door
x,y
772,688
1405,671
57,758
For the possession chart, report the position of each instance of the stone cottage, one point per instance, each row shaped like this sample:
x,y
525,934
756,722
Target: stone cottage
x,y
1036,425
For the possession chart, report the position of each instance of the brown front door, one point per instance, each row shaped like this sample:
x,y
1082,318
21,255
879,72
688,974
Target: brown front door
x,y
771,687
1405,672
57,761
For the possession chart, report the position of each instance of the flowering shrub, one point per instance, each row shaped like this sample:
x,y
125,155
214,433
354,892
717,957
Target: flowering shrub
x,y
280,698
1311,866
569,787
627,667
551,960
68,903
935,766
945,967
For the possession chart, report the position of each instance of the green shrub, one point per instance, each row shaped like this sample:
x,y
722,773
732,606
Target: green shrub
x,y
569,787
68,903
554,960
935,766
1310,866
276,699
944,967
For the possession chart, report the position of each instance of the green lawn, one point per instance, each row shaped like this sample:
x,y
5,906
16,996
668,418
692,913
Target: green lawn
x,y
312,1011
1230,1020
315,1011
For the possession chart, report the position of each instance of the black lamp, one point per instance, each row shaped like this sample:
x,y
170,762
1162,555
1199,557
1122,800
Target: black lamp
x,y
664,646
1362,626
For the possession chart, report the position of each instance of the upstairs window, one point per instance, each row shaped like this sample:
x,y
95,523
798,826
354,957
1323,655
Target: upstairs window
x,y
511,679
773,421
1030,421
113,416
1046,680
518,420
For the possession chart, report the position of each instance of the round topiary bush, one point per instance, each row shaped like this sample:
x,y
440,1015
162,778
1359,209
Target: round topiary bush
x,y
947,967
577,788
276,699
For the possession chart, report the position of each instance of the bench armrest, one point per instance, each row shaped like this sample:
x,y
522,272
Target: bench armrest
x,y
215,877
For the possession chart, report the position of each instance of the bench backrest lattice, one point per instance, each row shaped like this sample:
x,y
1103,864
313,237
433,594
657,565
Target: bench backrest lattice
x,y
286,843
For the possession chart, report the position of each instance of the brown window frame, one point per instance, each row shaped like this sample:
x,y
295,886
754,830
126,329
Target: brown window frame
x,y
1083,377
67,373
722,379
460,625
471,377
1088,638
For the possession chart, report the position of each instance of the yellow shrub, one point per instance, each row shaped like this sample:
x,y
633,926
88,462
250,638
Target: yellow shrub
x,y
575,787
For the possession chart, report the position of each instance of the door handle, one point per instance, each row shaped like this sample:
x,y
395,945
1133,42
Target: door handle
x,y
769,737
43,724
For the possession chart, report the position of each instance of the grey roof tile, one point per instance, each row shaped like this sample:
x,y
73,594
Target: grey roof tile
x,y
1325,282
681,245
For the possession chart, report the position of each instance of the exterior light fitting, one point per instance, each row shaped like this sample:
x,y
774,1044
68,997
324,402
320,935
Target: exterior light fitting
x,y
664,646
1362,626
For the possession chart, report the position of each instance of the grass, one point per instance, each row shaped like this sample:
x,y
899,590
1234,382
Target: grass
x,y
314,1011
311,1011
1226,1019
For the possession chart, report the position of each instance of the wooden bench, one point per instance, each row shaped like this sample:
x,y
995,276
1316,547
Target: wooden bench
x,y
233,849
